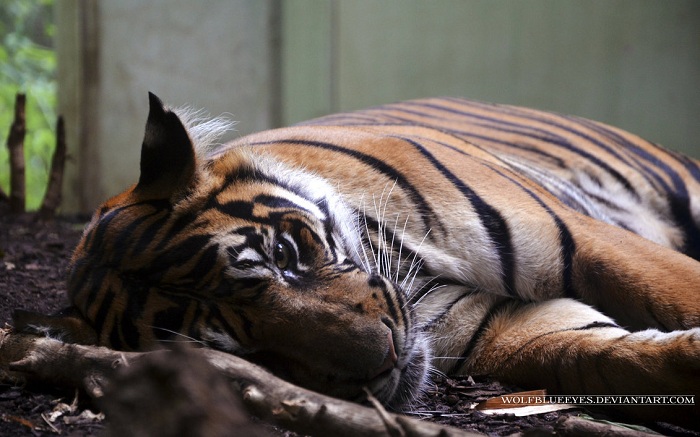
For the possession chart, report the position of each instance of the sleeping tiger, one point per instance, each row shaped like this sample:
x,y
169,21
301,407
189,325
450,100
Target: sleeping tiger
x,y
371,248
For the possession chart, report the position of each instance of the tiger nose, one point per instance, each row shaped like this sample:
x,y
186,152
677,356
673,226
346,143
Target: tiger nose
x,y
389,361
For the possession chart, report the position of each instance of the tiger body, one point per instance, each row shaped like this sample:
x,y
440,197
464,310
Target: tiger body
x,y
367,248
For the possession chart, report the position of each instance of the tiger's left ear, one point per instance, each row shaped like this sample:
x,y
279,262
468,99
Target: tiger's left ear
x,y
167,155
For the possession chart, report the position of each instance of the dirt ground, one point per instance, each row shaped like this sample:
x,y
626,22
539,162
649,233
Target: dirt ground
x,y
33,261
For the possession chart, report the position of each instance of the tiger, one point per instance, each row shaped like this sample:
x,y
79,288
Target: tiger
x,y
362,252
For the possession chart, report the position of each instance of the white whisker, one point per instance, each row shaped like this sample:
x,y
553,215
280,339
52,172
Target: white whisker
x,y
403,235
391,252
414,260
380,230
369,239
184,339
388,250
358,229
412,273
433,288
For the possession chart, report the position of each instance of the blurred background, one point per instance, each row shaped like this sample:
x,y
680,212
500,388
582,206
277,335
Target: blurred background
x,y
267,63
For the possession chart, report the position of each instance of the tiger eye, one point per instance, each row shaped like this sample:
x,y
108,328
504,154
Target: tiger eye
x,y
281,255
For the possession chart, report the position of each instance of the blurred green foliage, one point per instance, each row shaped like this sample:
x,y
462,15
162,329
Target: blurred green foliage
x,y
28,65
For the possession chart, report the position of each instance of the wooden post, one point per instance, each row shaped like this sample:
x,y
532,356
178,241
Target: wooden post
x,y
52,198
15,145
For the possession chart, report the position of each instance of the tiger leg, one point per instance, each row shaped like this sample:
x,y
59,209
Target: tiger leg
x,y
638,283
570,348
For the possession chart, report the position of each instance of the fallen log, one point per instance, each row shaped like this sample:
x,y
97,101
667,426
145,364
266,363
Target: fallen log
x,y
175,394
575,426
267,397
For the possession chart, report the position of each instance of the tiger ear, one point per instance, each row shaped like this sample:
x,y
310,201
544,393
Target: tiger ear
x,y
167,155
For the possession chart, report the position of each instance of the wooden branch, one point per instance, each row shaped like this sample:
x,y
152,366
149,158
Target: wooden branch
x,y
264,395
52,198
576,426
15,145
175,394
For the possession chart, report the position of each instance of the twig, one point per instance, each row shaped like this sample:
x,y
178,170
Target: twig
x,y
392,427
52,198
48,422
15,145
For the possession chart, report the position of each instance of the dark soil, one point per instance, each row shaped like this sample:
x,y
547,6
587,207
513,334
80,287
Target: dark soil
x,y
33,261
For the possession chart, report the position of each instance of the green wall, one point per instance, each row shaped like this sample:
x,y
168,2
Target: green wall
x,y
631,63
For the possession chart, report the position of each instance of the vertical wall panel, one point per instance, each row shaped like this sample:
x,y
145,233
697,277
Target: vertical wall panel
x,y
307,59
214,54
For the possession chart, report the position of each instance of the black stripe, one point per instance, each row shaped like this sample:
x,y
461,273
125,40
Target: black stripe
x,y
192,331
496,309
136,297
566,240
97,280
97,237
528,343
328,228
176,227
129,332
596,325
376,281
115,338
149,234
690,165
556,140
393,310
407,254
206,263
542,135
568,249
623,143
429,325
492,220
168,321
246,322
216,318
426,213
176,255
344,119
678,198
278,202
567,243
238,208
123,238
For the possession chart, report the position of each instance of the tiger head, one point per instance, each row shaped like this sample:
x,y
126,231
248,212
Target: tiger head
x,y
239,253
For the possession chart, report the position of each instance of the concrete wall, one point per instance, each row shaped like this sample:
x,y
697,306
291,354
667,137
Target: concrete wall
x,y
631,63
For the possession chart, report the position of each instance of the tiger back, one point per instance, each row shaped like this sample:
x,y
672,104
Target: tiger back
x,y
364,249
